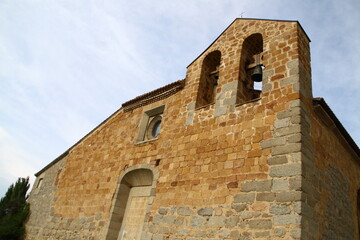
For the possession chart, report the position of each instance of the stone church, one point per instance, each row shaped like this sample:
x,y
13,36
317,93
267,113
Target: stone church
x,y
239,149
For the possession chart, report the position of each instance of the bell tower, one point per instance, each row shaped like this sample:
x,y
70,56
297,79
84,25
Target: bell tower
x,y
262,95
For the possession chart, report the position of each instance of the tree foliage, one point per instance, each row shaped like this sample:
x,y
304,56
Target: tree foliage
x,y
14,210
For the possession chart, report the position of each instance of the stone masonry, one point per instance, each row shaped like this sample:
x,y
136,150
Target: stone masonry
x,y
233,166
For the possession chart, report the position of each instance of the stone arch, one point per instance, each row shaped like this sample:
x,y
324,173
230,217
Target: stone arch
x,y
136,186
208,79
252,48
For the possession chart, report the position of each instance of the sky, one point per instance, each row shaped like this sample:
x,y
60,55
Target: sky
x,y
65,66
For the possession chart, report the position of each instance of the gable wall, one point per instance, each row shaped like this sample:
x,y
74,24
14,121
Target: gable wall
x,y
226,170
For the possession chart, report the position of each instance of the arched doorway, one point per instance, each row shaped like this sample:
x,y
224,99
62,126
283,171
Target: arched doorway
x,y
130,205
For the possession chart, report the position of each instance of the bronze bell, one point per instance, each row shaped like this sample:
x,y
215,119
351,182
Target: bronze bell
x,y
256,75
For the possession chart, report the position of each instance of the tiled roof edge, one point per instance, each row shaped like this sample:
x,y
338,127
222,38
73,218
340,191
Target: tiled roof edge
x,y
321,102
153,96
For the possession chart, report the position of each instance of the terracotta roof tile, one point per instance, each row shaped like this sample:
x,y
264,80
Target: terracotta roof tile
x,y
153,96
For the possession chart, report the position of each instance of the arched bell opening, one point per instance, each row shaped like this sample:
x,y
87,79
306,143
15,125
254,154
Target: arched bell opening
x,y
209,79
251,67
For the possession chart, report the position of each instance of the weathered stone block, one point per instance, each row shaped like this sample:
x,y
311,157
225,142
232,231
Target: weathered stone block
x,y
280,123
174,238
162,211
230,101
287,170
266,197
183,231
279,209
289,80
164,230
191,106
287,130
296,233
238,207
297,207
288,148
293,66
260,224
220,111
179,221
224,233
267,87
289,113
287,219
190,118
279,231
232,221
196,222
157,237
262,234
276,160
296,119
294,138
184,211
280,185
244,197
295,183
247,215
205,211
296,157
257,186
216,221
273,142
288,196
235,234
158,219
200,234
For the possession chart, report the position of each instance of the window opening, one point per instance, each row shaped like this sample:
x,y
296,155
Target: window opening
x,y
258,84
153,129
39,183
209,79
150,124
156,129
251,68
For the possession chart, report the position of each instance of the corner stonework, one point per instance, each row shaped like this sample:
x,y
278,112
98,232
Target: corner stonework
x,y
285,167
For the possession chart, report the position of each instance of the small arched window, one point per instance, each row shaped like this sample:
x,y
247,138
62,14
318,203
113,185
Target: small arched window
x,y
209,79
250,75
131,203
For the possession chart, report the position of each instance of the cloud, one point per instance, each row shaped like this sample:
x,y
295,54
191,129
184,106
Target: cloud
x,y
14,162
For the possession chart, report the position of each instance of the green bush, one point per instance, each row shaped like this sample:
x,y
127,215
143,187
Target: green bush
x,y
14,210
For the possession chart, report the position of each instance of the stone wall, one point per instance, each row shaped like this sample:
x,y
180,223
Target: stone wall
x,y
331,184
42,221
225,170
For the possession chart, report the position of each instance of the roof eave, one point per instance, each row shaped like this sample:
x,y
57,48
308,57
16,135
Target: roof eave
x,y
321,102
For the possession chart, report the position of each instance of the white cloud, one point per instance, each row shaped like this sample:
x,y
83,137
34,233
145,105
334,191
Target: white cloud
x,y
14,162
